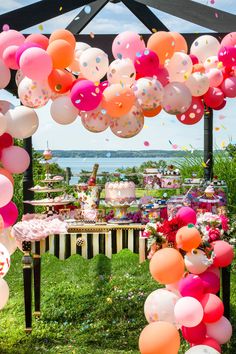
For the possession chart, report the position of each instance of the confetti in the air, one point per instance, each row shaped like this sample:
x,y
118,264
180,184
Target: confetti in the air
x,y
217,129
87,9
60,8
221,116
146,143
108,154
40,27
216,15
223,144
91,34
5,27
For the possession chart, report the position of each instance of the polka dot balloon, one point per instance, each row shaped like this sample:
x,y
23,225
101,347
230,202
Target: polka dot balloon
x,y
194,114
4,261
149,92
121,71
95,121
33,94
93,64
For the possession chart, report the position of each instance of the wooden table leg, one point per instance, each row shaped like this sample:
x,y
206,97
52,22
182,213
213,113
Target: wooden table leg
x,y
225,286
27,278
37,283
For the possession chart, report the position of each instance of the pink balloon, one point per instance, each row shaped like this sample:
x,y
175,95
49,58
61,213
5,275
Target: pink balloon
x,y
224,253
34,58
213,308
214,270
146,64
103,85
195,334
8,38
24,47
187,215
162,75
6,190
215,77
221,330
5,75
214,97
227,55
9,214
210,342
188,311
191,285
9,57
228,87
194,59
229,40
194,114
15,159
211,282
127,45
85,95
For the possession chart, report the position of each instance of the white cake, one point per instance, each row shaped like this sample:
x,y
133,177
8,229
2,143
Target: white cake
x,y
120,192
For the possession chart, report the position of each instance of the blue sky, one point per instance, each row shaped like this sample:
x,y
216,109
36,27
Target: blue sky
x,y
158,131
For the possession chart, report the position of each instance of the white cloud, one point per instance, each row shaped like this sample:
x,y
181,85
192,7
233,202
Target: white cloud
x,y
116,9
9,5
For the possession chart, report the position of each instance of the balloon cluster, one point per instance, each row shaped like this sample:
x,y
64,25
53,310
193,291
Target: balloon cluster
x,y
141,81
188,302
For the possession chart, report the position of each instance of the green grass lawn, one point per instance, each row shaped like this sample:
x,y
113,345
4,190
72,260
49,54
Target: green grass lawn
x,y
88,306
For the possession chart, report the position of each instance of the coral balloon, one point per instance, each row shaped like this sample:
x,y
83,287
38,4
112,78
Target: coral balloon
x,y
194,114
220,330
152,112
159,306
224,253
94,64
8,38
180,44
5,75
129,124
204,47
9,57
22,122
3,124
8,240
228,87
85,95
121,71
176,98
215,77
34,94
149,92
159,337
188,238
167,266
15,159
213,308
214,97
191,285
4,261
229,40
201,349
195,334
188,311
4,291
179,67
34,58
146,64
198,84
227,55
196,261
7,174
211,343
211,282
6,191
39,39
163,44
187,215
63,34
118,100
61,52
9,214
95,121
126,45
60,81
63,111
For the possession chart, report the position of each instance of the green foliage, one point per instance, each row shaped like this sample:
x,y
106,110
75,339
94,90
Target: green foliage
x,y
88,306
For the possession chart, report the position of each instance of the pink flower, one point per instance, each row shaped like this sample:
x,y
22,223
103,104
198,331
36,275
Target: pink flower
x,y
224,222
146,233
214,234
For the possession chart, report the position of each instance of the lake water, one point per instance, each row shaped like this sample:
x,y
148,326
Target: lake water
x,y
105,164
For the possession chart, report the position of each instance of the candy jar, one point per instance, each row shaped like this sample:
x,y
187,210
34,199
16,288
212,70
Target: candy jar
x,y
175,203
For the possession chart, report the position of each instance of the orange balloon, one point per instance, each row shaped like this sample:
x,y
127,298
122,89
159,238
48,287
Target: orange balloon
x,y
61,52
198,67
118,100
159,338
180,42
163,44
38,38
188,237
152,112
60,80
63,34
7,174
167,266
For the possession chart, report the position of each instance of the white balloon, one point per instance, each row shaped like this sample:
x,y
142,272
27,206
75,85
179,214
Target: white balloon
x,y
198,84
3,123
4,261
8,240
121,71
94,64
4,293
95,121
22,122
205,46
33,94
19,77
63,111
202,349
149,92
179,67
196,262
176,98
211,62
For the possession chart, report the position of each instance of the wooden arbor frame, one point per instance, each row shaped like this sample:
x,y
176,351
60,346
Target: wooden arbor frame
x,y
188,10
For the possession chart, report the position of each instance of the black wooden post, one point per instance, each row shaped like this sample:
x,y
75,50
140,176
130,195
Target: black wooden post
x,y
208,143
28,181
27,278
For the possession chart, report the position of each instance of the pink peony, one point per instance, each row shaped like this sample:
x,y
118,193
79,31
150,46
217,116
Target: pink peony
x,y
214,234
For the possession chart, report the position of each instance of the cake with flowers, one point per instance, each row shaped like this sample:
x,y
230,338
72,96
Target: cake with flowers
x,y
120,192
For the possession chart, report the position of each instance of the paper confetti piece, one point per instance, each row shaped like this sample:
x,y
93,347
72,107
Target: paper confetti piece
x,y
145,126
223,144
108,154
40,27
60,8
87,9
107,139
91,34
221,116
212,2
216,15
224,127
5,27
146,143
175,146
217,129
